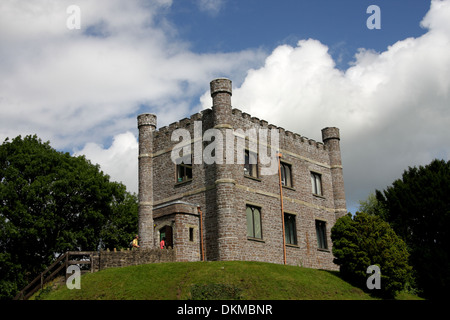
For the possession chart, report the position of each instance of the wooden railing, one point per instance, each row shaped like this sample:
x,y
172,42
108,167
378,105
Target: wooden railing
x,y
58,267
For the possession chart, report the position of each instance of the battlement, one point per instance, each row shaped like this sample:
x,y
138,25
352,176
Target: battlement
x,y
184,123
263,124
223,87
238,115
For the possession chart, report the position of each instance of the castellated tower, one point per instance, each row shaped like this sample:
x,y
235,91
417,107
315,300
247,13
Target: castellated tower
x,y
331,139
217,208
146,126
224,180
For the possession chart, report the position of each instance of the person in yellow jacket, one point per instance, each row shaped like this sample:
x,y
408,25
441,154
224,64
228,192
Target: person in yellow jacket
x,y
135,243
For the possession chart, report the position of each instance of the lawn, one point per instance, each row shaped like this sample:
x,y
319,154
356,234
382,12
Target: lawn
x,y
211,280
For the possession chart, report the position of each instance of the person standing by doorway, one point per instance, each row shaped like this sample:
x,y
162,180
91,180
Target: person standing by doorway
x,y
162,244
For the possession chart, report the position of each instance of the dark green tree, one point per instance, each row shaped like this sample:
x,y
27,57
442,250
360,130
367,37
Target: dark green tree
x,y
121,228
52,202
365,240
417,206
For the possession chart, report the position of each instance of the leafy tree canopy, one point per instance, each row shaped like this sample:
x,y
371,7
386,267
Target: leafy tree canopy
x,y
365,240
372,206
417,206
52,202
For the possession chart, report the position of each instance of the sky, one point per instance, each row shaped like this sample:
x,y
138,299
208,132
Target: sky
x,y
301,65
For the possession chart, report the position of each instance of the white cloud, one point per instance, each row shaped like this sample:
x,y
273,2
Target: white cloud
x,y
81,88
392,107
119,161
78,86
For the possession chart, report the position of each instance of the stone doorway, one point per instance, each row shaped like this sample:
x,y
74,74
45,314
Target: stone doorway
x,y
166,232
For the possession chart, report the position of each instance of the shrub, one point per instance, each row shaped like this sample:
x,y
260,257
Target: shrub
x,y
364,240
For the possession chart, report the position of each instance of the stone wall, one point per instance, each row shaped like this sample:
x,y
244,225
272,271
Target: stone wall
x,y
124,258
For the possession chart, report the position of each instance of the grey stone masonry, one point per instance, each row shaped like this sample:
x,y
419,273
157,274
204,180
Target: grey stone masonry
x,y
112,259
241,210
146,125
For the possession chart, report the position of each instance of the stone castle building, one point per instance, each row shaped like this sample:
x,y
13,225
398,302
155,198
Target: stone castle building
x,y
229,210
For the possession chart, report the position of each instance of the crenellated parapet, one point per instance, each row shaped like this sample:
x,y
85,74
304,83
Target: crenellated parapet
x,y
284,134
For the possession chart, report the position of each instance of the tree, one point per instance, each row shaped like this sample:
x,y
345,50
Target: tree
x,y
417,206
365,240
372,206
52,202
121,228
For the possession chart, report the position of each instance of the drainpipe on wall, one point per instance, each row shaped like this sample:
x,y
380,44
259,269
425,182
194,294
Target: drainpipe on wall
x,y
282,209
201,232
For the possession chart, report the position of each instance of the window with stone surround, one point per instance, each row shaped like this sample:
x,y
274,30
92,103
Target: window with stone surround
x,y
191,234
251,164
316,183
254,229
290,229
321,232
286,174
184,169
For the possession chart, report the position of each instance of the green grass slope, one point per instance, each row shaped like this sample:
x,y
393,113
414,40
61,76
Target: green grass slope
x,y
209,280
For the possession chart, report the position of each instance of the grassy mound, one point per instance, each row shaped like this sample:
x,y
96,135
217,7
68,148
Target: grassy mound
x,y
210,280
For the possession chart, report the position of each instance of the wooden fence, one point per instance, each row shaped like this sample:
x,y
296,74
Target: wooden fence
x,y
82,258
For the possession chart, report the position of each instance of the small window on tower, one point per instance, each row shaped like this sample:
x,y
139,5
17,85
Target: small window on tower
x,y
191,234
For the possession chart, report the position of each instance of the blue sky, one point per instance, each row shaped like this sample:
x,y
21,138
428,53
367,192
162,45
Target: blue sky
x,y
302,65
341,25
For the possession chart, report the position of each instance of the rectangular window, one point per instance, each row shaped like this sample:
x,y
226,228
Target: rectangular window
x,y
316,183
251,164
191,234
321,232
184,169
290,229
286,174
254,222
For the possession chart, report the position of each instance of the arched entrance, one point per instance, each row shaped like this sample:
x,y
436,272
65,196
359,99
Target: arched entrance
x,y
166,232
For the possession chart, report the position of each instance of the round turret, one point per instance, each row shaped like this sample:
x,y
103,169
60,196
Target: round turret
x,y
221,91
146,119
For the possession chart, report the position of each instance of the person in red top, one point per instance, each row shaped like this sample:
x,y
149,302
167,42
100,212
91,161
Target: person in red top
x,y
162,244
